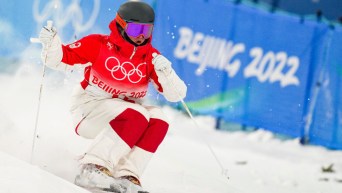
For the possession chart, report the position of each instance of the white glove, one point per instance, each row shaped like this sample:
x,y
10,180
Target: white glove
x,y
174,88
161,63
46,35
52,52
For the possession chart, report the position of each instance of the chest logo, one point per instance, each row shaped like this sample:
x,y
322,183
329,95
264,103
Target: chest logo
x,y
109,46
75,45
125,70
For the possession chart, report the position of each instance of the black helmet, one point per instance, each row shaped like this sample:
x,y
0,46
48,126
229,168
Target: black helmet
x,y
136,11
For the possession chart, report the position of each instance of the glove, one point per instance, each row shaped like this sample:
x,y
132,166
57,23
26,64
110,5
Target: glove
x,y
46,35
174,88
161,63
52,52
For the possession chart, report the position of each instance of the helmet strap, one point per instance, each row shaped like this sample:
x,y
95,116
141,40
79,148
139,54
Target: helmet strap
x,y
120,21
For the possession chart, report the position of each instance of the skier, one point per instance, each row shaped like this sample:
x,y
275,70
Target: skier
x,y
107,105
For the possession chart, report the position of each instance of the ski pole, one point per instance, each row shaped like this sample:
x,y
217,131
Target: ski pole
x,y
36,40
224,171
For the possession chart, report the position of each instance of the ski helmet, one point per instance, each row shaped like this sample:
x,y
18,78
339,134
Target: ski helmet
x,y
136,11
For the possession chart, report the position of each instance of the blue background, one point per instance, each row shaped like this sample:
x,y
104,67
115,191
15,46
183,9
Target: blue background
x,y
311,109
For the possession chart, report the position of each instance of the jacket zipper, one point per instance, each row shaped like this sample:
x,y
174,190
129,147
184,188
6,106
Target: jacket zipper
x,y
134,50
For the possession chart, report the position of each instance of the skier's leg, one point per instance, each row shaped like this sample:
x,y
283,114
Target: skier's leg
x,y
156,131
138,158
116,126
131,167
123,124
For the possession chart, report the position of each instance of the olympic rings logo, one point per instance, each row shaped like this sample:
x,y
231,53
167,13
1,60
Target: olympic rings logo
x,y
125,70
65,14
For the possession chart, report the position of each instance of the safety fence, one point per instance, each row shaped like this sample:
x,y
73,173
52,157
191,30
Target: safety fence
x,y
246,65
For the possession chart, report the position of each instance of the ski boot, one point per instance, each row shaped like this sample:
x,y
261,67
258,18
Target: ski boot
x,y
128,184
96,178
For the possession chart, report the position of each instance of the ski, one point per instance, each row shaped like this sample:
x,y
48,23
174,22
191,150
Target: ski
x,y
110,190
104,190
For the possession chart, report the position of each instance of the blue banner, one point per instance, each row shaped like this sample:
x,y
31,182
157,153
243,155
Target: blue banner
x,y
244,64
326,128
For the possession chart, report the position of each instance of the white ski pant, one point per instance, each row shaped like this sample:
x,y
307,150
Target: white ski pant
x,y
125,134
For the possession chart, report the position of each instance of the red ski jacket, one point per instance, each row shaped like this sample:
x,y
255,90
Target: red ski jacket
x,y
117,67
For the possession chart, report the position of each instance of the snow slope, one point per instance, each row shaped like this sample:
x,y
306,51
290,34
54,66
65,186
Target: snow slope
x,y
19,176
255,162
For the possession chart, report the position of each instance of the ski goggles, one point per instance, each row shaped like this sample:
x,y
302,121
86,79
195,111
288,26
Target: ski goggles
x,y
135,29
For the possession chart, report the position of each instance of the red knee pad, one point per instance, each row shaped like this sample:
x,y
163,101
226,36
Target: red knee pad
x,y
129,125
153,135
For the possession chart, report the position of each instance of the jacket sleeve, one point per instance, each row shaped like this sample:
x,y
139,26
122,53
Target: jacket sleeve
x,y
62,57
82,51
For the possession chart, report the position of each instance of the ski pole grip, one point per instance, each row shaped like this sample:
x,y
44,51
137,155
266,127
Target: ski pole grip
x,y
49,25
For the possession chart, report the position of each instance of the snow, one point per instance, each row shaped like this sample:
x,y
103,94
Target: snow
x,y
240,162
36,179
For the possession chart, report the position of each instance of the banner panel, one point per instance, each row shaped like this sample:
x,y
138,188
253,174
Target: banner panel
x,y
326,128
241,63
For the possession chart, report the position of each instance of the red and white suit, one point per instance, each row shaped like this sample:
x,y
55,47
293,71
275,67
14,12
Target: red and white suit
x,y
106,106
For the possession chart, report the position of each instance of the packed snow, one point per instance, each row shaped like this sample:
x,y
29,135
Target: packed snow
x,y
194,157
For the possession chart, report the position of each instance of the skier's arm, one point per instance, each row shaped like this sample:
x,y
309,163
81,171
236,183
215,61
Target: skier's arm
x,y
82,51
61,57
172,87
